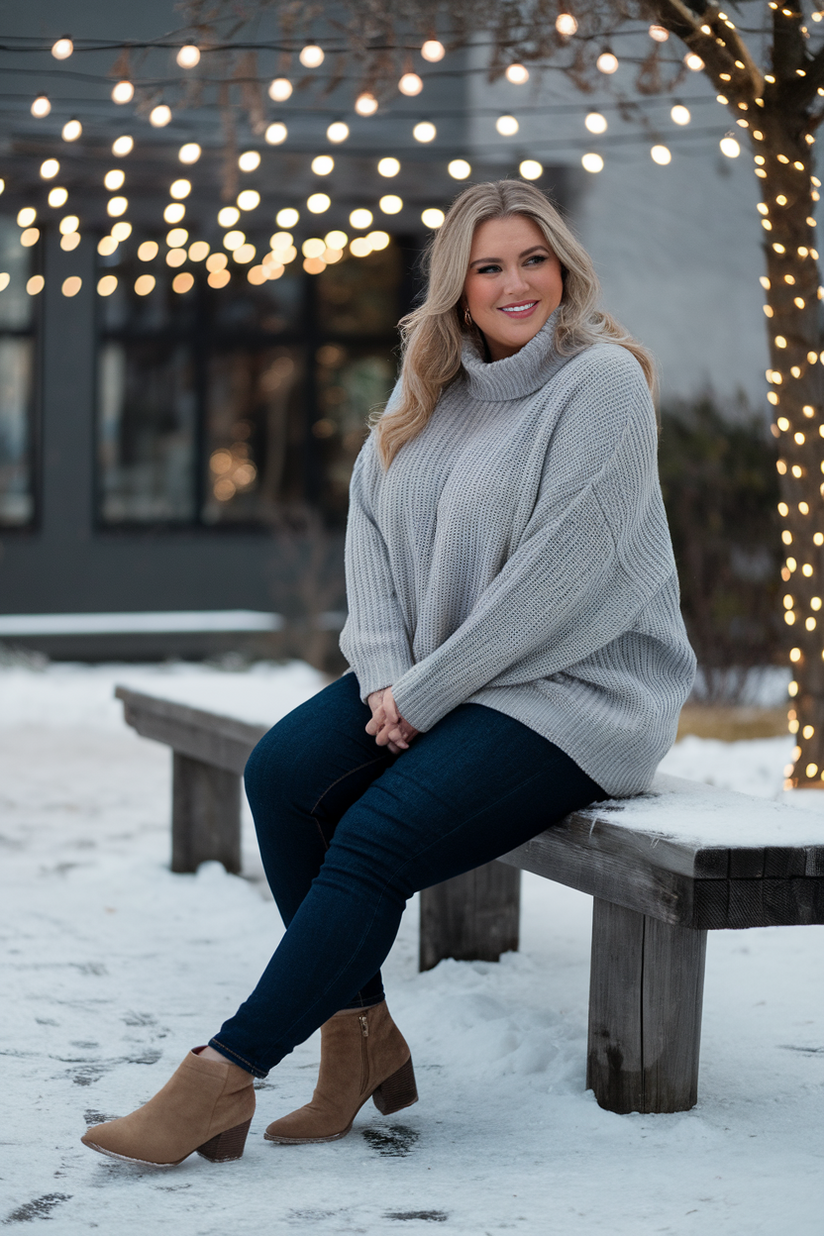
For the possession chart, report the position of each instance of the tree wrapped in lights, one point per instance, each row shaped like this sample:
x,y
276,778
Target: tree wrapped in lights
x,y
770,77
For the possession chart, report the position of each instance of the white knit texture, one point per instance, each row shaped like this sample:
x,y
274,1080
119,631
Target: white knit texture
x,y
516,554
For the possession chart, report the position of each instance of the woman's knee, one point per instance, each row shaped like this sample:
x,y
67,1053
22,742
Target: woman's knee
x,y
270,766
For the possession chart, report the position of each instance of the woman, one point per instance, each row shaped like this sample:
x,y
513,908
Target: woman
x,y
516,652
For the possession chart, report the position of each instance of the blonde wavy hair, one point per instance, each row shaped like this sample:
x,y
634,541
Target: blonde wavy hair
x,y
433,335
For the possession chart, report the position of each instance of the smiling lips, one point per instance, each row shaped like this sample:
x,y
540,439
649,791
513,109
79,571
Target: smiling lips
x,y
523,310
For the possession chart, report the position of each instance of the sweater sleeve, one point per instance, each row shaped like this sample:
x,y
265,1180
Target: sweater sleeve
x,y
374,639
590,557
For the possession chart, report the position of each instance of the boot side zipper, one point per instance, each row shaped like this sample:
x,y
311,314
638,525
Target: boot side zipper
x,y
364,1025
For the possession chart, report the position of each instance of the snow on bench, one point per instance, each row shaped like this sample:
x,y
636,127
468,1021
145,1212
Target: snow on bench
x,y
663,869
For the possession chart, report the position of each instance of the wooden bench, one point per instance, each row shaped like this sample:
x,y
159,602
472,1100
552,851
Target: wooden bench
x,y
664,869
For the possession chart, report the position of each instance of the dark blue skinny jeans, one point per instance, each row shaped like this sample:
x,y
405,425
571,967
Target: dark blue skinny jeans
x,y
348,832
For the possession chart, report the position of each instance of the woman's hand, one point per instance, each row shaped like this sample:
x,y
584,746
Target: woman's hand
x,y
387,725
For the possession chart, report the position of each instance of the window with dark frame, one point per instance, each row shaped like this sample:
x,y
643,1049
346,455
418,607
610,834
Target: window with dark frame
x,y
19,287
232,406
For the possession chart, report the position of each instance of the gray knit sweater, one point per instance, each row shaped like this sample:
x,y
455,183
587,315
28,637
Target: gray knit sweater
x,y
516,554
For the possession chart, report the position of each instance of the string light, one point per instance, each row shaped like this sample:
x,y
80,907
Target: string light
x,y
433,51
248,199
40,107
507,126
410,84
35,285
336,240
176,257
338,131
49,169
189,153
287,217
322,165
313,247
360,247
693,62
174,212
592,162
188,56
199,251
318,203
106,285
280,89
62,49
424,131
72,130
122,230
518,74
160,116
106,246
596,123
58,197
114,179
729,147
122,146
366,104
658,33
660,155
360,219
432,217
276,133
566,24
177,237
71,286
29,237
391,204
147,252
70,241
122,92
458,169
117,206
71,223
233,240
531,169
680,114
249,161
228,216
607,63
311,56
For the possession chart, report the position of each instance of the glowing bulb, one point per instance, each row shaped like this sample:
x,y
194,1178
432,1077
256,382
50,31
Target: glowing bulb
x,y
660,155
314,247
188,56
311,56
117,206
280,89
40,107
233,240
410,84
249,161
391,204
566,24
318,203
518,74
335,240
121,230
189,153
322,165
287,217
71,223
360,219
62,49
680,114
338,131
360,247
432,217
248,199
49,168
72,130
160,116
122,146
507,126
659,34
366,104
228,216
106,285
378,240
433,51
114,179
729,147
122,92
27,216
58,197
180,188
276,133
607,62
425,131
147,252
693,62
531,169
592,162
459,169
596,123
174,212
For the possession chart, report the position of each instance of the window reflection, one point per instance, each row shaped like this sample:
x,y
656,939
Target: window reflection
x,y
16,379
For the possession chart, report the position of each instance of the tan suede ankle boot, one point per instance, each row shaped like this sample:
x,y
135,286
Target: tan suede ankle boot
x,y
204,1106
363,1054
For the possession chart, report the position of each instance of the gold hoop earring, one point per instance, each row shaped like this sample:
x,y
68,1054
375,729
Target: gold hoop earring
x,y
468,318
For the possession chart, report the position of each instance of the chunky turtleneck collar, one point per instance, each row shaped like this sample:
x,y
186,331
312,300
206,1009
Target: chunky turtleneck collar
x,y
515,376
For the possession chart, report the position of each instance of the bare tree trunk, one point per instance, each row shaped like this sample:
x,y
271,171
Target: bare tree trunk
x,y
796,379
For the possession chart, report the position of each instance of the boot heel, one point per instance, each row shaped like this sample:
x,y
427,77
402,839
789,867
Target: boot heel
x,y
397,1091
226,1146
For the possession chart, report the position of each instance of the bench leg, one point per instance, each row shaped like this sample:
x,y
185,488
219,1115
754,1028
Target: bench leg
x,y
473,917
646,986
205,815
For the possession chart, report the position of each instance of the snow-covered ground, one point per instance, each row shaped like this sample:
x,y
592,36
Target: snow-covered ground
x,y
114,968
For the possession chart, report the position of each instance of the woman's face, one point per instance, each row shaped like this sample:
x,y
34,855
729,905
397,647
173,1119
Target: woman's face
x,y
513,283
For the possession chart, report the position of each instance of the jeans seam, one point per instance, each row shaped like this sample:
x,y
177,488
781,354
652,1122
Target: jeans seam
x,y
332,785
253,1068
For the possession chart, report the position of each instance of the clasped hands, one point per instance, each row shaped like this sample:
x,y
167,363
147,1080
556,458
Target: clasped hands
x,y
387,725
